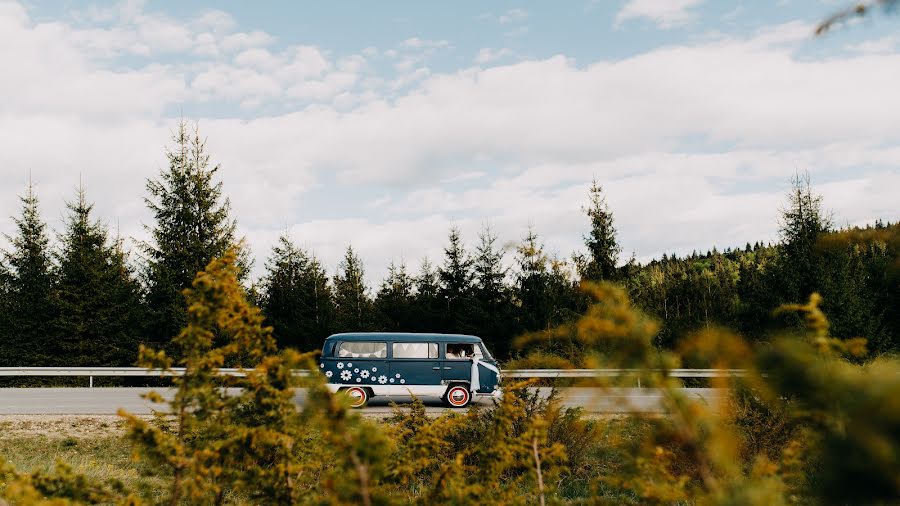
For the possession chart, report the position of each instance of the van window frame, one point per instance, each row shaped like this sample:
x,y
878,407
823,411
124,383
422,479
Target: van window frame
x,y
336,352
479,345
392,343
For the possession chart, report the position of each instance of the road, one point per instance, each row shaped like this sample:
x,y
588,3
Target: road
x,y
105,401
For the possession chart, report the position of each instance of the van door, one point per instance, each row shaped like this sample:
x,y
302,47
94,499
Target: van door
x,y
357,363
457,365
413,364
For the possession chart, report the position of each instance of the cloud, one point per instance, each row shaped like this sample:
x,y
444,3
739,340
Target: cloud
x,y
884,45
664,13
513,16
694,142
488,55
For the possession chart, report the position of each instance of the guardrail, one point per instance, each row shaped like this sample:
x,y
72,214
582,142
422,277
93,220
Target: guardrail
x,y
90,372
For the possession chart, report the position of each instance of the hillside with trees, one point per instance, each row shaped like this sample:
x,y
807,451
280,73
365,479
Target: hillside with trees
x,y
83,300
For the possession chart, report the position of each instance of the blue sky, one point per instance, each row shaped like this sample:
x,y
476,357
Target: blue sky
x,y
382,124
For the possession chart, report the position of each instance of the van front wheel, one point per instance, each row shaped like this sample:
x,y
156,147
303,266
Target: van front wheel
x,y
457,396
358,396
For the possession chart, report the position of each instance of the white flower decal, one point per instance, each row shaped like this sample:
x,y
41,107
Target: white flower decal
x,y
382,379
364,374
358,380
321,366
392,380
374,379
397,375
374,369
349,364
402,381
328,374
355,370
340,365
345,375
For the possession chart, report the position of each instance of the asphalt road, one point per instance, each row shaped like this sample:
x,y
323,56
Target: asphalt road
x,y
105,401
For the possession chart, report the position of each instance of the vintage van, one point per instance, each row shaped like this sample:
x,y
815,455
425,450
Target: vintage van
x,y
453,367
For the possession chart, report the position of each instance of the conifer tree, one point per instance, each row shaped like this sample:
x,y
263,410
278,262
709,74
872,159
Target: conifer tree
x,y
394,301
191,228
493,311
353,306
456,283
296,297
29,288
426,309
803,221
602,245
532,282
98,301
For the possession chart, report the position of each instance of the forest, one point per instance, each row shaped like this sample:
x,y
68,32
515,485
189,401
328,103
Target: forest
x,y
83,300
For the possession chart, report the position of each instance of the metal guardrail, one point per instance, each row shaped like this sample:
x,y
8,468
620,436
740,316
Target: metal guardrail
x,y
90,372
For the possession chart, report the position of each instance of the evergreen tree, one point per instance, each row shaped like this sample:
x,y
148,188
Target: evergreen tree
x,y
98,302
532,282
494,311
603,248
296,297
456,283
803,221
353,307
394,301
191,228
426,310
29,287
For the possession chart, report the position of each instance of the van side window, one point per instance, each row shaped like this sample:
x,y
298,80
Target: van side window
x,y
463,351
415,350
362,349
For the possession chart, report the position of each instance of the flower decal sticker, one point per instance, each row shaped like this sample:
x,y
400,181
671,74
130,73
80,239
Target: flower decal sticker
x,y
340,365
356,370
349,364
392,380
321,366
364,374
382,379
358,380
345,375
397,375
374,369
402,381
328,374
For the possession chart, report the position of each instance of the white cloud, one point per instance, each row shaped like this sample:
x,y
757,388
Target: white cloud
x,y
665,13
417,43
693,142
488,55
513,16
884,45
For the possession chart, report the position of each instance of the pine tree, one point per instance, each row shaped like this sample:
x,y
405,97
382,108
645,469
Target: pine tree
x,y
394,301
603,248
532,282
30,284
191,228
803,221
296,297
426,310
493,310
353,306
98,301
456,283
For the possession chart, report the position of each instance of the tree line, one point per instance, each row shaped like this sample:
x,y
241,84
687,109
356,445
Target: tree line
x,y
85,301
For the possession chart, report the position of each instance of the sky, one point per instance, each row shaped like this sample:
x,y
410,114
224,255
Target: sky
x,y
383,124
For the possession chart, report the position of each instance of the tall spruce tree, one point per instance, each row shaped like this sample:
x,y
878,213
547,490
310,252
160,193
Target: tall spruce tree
x,y
394,301
99,311
456,283
603,247
533,283
493,311
296,297
29,288
426,310
802,222
354,310
191,228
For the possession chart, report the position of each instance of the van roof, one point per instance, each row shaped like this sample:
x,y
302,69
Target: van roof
x,y
403,336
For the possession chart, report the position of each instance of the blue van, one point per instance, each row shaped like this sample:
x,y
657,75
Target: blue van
x,y
452,367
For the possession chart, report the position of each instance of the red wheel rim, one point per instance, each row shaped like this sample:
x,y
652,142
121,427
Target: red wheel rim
x,y
357,396
458,396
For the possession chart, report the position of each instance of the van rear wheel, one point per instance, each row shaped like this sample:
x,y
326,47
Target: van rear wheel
x,y
358,396
457,396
